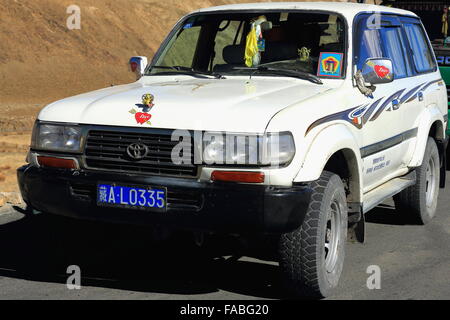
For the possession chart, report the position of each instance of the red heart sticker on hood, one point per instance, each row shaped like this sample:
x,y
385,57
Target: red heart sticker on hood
x,y
381,71
142,117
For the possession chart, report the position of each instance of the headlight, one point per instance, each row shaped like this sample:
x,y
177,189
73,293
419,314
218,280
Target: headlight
x,y
261,150
56,137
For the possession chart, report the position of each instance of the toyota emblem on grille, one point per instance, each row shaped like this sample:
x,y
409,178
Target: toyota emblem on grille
x,y
137,151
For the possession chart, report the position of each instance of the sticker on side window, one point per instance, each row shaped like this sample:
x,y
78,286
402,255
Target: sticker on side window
x,y
330,64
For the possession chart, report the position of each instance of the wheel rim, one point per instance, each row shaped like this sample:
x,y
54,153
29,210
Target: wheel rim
x,y
430,185
332,235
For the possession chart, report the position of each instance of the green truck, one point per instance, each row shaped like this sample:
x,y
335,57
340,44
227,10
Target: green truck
x,y
443,58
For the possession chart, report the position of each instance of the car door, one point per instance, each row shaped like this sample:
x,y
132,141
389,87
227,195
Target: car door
x,y
384,131
426,74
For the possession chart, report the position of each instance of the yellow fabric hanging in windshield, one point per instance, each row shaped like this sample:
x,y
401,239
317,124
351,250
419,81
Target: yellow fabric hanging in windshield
x,y
251,47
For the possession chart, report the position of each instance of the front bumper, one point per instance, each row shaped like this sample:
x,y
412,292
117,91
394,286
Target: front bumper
x,y
193,205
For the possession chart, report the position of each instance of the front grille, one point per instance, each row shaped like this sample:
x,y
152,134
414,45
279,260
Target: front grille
x,y
107,149
186,200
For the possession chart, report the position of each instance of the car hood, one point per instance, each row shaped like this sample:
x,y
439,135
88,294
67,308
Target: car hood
x,y
235,104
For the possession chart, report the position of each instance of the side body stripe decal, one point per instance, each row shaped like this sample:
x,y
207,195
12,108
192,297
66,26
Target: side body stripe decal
x,y
360,115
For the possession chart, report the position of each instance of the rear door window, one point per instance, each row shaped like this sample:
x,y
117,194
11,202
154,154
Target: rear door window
x,y
421,52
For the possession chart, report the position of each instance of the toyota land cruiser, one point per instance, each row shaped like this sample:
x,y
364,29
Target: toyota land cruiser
x,y
286,119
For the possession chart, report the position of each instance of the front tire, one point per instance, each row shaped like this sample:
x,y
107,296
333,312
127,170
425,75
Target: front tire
x,y
418,203
312,256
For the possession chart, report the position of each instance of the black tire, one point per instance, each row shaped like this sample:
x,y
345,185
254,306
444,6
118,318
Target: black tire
x,y
417,204
447,158
308,268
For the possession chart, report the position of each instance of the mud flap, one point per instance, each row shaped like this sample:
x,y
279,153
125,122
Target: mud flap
x,y
443,152
356,227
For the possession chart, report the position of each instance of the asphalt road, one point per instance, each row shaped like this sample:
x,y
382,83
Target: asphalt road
x,y
120,262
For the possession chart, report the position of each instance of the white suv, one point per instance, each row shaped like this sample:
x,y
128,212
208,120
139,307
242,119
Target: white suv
x,y
285,119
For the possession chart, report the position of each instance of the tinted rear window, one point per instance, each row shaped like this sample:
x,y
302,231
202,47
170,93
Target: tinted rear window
x,y
421,52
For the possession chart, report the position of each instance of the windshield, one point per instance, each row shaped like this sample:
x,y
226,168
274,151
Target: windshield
x,y
237,43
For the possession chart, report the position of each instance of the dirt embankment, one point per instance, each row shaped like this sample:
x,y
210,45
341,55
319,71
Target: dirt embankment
x,y
42,60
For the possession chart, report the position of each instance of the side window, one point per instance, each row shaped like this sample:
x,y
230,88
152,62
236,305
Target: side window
x,y
370,46
421,53
394,49
382,41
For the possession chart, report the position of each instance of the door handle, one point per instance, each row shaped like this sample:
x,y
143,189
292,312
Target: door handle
x,y
420,95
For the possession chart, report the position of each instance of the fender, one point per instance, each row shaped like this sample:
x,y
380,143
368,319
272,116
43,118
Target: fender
x,y
428,116
331,139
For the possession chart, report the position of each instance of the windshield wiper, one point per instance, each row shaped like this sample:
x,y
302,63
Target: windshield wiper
x,y
189,71
284,72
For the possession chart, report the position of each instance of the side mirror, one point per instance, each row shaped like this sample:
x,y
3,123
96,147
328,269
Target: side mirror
x,y
138,65
376,71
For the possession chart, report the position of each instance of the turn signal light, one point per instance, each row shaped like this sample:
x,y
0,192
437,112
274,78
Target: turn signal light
x,y
57,162
238,176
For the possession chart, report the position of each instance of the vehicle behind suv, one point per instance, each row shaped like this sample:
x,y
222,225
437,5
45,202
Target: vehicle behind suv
x,y
433,18
286,120
443,59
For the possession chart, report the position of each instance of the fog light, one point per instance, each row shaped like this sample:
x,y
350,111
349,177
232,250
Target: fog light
x,y
238,176
57,162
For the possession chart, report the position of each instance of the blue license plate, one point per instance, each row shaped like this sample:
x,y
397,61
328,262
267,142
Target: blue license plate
x,y
152,198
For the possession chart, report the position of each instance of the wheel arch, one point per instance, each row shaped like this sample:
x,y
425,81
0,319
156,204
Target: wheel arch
x,y
437,130
345,164
431,124
334,149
